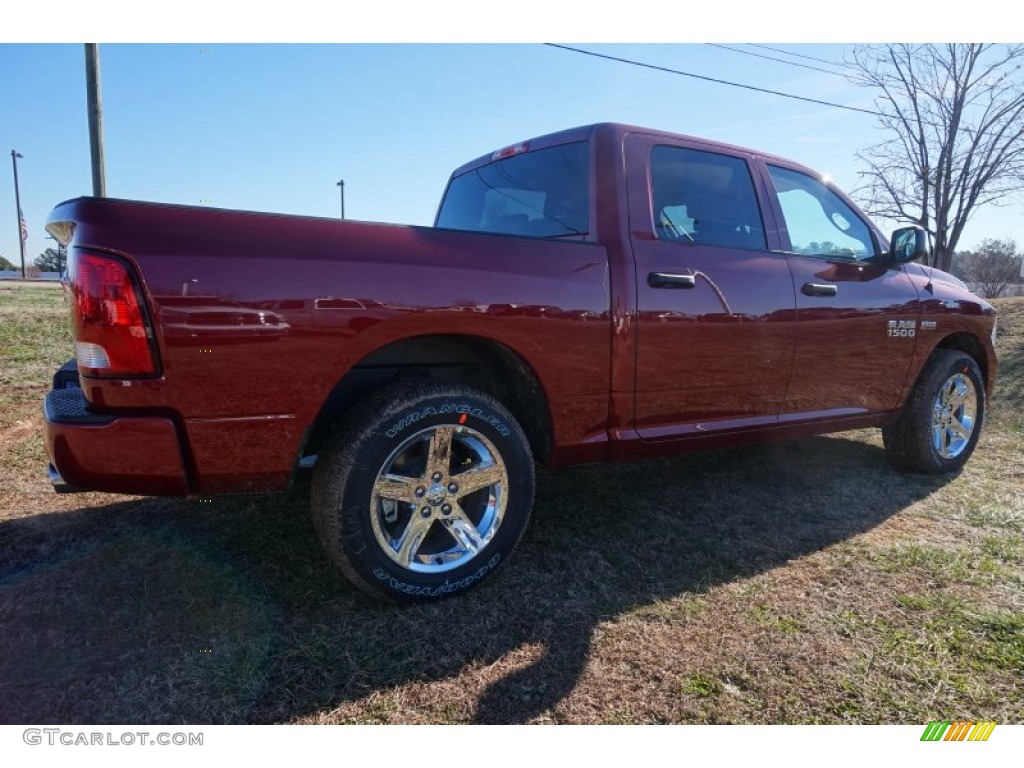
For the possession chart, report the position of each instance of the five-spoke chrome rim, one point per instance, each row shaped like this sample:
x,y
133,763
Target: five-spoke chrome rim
x,y
954,415
439,498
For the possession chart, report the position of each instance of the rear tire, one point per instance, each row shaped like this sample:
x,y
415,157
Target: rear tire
x,y
423,491
939,426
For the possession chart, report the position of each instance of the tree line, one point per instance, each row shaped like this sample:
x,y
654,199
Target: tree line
x,y
990,268
50,260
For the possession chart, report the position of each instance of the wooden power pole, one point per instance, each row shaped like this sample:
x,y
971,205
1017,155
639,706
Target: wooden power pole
x,y
95,107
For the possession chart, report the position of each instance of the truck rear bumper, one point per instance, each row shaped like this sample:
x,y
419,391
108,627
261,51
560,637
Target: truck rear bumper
x,y
101,452
60,485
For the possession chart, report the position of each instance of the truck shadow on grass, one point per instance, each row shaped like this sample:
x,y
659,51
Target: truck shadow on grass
x,y
167,611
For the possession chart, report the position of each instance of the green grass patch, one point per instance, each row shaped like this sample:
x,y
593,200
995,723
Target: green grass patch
x,y
962,566
702,685
768,616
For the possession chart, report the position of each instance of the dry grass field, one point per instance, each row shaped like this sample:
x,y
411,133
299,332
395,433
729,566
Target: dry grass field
x,y
796,583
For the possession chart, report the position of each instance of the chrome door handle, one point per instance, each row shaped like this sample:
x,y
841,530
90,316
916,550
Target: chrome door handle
x,y
670,280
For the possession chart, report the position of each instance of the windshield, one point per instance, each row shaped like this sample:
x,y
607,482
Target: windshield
x,y
544,193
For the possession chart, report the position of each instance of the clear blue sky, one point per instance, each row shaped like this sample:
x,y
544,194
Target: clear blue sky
x,y
274,127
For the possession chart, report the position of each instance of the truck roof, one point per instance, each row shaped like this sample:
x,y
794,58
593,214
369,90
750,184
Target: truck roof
x,y
616,131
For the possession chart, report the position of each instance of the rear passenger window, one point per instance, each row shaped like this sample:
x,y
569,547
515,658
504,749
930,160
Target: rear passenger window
x,y
540,193
704,198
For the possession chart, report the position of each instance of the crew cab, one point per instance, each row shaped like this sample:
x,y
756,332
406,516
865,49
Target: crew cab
x,y
600,294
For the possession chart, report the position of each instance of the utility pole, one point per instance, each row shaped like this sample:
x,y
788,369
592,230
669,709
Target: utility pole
x,y
94,105
17,204
342,185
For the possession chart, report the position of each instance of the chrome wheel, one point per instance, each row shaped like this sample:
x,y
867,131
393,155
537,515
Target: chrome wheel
x,y
439,499
954,414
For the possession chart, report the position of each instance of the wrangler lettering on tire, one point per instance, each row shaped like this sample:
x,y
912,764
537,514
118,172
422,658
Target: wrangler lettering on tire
x,y
423,491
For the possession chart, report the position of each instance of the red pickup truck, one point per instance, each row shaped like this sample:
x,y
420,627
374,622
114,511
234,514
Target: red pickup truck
x,y
599,294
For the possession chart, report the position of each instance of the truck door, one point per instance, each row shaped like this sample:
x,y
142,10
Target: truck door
x,y
856,318
716,306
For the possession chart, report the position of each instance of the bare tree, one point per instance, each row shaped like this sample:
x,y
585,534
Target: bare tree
x,y
991,268
953,120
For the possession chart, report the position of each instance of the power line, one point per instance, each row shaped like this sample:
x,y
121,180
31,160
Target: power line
x,y
775,58
799,55
929,123
711,79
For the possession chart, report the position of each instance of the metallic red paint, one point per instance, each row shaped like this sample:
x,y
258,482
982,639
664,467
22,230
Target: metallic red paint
x,y
129,455
258,317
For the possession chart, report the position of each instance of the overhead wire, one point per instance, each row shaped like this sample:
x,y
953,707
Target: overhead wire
x,y
719,81
799,55
775,58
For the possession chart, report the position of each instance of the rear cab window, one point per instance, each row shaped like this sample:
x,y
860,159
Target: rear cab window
x,y
541,193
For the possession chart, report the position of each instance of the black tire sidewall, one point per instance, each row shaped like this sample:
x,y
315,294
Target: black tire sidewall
x,y
390,430
940,374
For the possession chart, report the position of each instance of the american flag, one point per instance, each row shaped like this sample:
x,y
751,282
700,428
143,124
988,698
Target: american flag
x,y
24,227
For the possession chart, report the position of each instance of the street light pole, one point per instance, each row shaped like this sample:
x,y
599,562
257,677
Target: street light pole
x,y
17,204
342,185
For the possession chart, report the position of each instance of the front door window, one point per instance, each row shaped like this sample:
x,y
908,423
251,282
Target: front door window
x,y
818,221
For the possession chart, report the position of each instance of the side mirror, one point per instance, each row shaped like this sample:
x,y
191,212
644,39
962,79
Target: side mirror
x,y
908,244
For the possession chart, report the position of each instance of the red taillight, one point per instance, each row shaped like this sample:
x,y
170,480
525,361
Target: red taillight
x,y
111,335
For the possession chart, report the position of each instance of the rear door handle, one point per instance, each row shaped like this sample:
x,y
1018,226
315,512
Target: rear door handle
x,y
819,289
670,280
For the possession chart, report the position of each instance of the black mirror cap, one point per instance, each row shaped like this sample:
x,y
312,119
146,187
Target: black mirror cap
x,y
908,244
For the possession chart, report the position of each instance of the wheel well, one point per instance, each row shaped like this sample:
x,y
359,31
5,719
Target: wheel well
x,y
483,364
968,344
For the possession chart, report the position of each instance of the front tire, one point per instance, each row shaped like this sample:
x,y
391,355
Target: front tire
x,y
423,491
938,428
